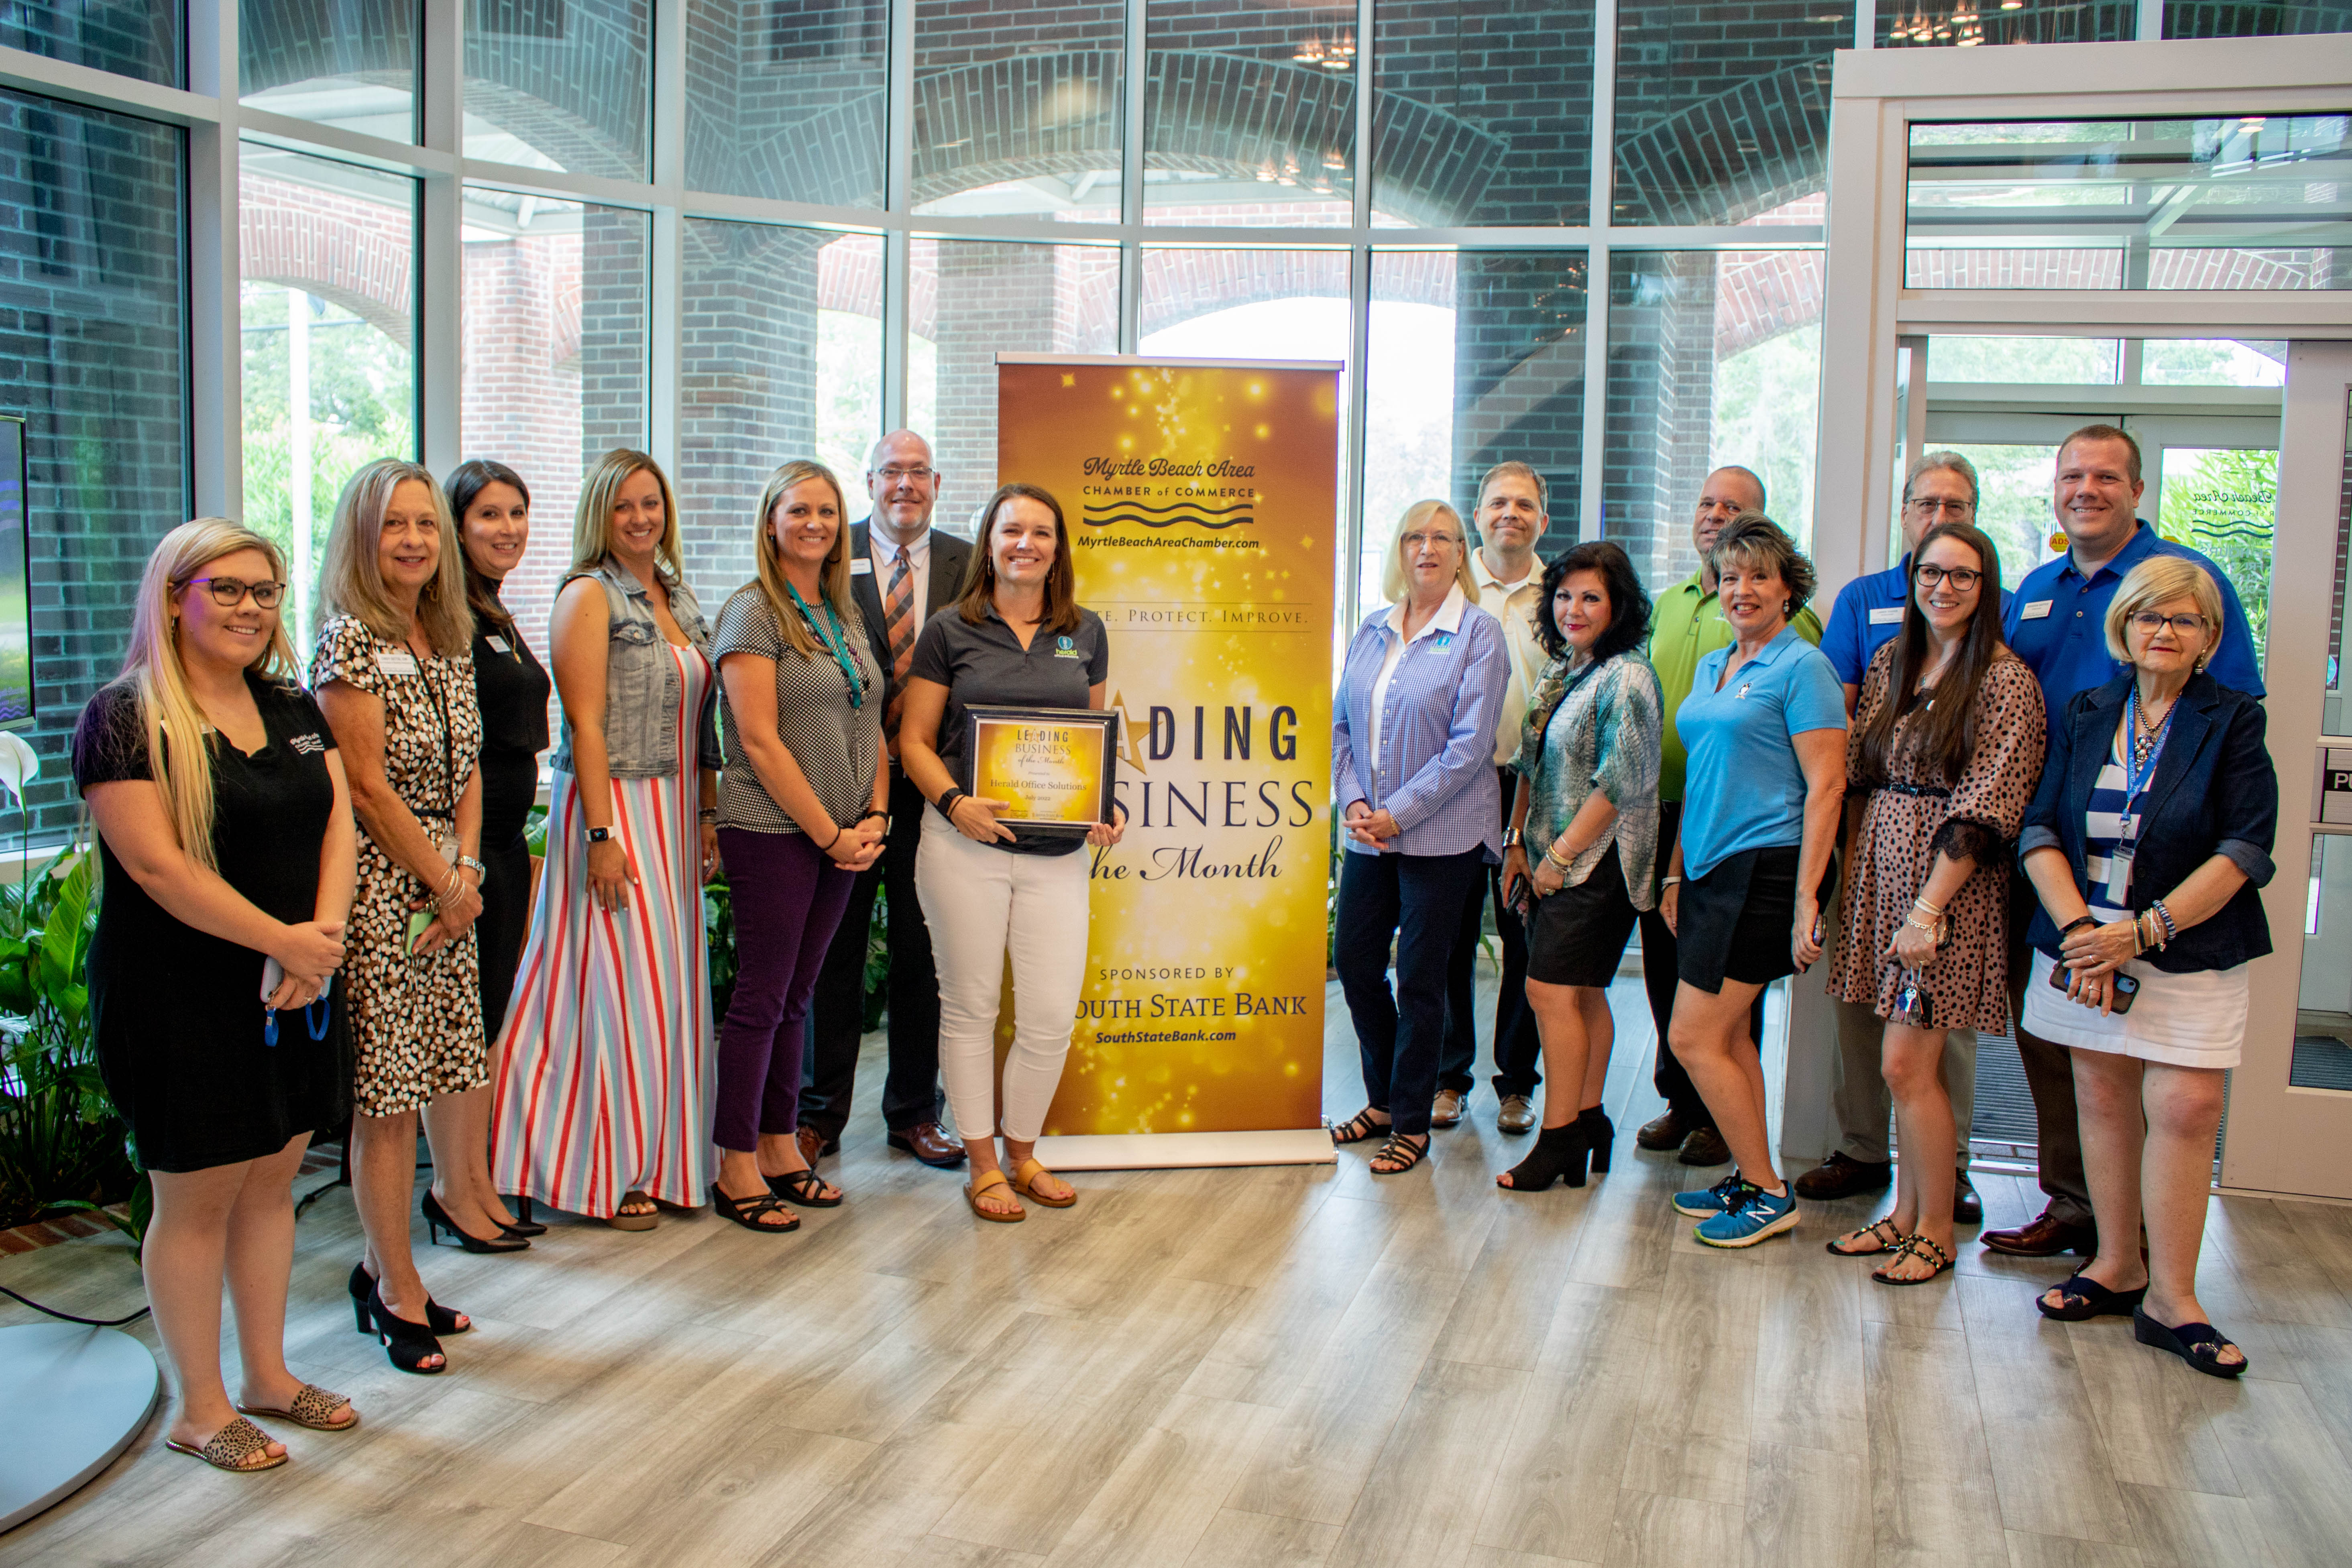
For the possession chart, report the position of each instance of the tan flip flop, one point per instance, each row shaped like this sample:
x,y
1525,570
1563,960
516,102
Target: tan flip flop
x,y
972,1191
230,1444
1025,1178
313,1407
620,1221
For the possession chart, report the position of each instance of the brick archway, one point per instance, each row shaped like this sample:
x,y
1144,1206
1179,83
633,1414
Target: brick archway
x,y
354,253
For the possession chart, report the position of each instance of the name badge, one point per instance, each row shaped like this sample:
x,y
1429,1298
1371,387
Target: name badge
x,y
498,643
862,567
1886,616
2037,611
400,663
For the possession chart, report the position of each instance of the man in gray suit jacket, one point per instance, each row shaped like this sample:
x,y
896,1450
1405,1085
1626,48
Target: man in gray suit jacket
x,y
895,547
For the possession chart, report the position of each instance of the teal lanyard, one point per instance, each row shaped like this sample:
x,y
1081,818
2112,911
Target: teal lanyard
x,y
836,644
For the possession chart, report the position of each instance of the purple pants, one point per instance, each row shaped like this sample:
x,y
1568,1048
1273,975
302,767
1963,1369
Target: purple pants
x,y
788,898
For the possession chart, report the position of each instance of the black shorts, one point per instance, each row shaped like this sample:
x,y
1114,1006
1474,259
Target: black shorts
x,y
1735,920
1576,936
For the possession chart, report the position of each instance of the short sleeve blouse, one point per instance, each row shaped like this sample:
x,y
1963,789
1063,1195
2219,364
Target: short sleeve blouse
x,y
837,745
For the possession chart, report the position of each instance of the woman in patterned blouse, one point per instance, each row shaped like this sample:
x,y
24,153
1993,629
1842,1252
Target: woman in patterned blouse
x,y
1588,802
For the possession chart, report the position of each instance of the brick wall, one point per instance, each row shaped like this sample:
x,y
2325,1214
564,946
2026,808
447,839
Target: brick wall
x,y
133,37
93,324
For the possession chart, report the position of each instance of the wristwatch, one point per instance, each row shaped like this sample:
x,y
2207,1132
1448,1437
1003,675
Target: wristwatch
x,y
599,835
470,863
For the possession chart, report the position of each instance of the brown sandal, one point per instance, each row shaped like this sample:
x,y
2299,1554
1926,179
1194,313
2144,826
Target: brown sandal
x,y
230,1444
1024,1178
972,1191
620,1221
313,1407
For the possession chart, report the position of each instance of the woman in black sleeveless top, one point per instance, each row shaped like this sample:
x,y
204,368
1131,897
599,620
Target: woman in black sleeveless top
x,y
492,507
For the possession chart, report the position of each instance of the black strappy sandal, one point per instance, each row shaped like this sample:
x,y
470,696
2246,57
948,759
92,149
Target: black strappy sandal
x,y
1883,1231
1400,1147
2198,1344
750,1213
1938,1261
2082,1298
804,1187
1358,1128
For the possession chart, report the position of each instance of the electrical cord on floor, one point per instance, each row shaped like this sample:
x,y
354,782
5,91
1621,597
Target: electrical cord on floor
x,y
69,1317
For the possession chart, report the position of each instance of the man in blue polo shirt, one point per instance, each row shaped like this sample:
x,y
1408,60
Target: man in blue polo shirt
x,y
1869,612
2057,624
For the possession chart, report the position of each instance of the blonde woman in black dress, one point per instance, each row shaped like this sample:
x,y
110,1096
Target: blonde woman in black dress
x,y
225,835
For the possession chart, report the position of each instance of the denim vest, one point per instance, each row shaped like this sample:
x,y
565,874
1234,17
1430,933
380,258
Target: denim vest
x,y
641,680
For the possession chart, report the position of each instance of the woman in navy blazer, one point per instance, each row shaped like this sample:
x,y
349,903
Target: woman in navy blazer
x,y
2147,841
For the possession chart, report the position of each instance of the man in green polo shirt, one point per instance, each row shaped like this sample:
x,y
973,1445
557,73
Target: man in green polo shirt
x,y
1687,624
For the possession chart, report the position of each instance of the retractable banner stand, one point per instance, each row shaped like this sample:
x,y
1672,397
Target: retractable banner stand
x,y
1201,501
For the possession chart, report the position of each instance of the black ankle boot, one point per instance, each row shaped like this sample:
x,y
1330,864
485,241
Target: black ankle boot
x,y
1559,1152
1600,1135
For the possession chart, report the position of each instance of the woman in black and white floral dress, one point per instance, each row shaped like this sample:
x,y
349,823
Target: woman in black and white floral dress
x,y
393,671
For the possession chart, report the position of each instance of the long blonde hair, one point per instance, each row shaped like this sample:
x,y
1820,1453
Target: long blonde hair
x,y
1394,578
176,729
350,579
591,525
832,578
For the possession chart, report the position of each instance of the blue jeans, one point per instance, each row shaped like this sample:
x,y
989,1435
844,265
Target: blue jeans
x,y
1416,899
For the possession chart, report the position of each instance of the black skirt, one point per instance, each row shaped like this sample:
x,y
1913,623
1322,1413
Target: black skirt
x,y
1576,936
1734,921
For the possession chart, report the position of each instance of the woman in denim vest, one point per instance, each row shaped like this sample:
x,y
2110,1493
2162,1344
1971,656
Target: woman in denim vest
x,y
603,1091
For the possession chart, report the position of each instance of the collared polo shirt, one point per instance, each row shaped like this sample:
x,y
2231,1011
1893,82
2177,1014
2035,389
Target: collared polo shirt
x,y
1867,614
986,664
2057,624
1686,625
1514,604
1746,790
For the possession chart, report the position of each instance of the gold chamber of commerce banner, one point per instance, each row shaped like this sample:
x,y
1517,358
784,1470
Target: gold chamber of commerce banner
x,y
1202,507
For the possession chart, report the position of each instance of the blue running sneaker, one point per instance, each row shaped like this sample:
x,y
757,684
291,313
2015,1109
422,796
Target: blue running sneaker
x,y
1759,1215
1706,1202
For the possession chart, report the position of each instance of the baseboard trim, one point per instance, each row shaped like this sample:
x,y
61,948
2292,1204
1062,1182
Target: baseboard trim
x,y
1149,1151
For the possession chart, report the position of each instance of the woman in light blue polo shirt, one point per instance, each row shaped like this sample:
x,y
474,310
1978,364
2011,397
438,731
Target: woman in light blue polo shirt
x,y
1764,726
1412,773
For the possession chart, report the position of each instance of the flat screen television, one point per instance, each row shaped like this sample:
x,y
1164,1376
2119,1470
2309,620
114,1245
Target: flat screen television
x,y
15,588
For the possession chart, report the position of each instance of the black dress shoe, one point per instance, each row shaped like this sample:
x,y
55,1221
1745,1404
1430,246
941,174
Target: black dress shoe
x,y
1663,1132
2044,1238
1705,1146
1966,1207
1841,1176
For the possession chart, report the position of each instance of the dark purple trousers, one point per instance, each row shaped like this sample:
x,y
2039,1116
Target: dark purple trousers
x,y
788,898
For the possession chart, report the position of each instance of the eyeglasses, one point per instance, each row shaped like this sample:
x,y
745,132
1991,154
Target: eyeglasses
x,y
228,593
1960,577
899,476
1416,541
2147,623
1930,506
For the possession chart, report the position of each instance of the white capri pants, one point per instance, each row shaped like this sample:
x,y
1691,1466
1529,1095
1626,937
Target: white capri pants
x,y
981,902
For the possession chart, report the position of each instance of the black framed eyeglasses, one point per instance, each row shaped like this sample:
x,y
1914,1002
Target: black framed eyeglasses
x,y
2147,623
230,592
1961,578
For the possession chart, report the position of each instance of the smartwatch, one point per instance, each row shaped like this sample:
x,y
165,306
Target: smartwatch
x,y
598,834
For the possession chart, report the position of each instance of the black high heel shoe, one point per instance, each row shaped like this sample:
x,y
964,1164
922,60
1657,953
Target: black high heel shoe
x,y
523,1226
405,1342
1599,1136
437,1318
1559,1153
436,1220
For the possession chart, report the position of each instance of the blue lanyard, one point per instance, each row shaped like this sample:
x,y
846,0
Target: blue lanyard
x,y
317,1014
834,643
2135,778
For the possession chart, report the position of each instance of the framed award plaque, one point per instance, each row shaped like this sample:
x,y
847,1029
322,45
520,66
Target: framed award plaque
x,y
1052,767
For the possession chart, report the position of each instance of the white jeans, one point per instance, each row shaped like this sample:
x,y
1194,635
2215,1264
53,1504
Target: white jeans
x,y
979,903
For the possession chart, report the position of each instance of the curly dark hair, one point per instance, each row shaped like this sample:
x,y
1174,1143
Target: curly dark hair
x,y
1756,540
1629,602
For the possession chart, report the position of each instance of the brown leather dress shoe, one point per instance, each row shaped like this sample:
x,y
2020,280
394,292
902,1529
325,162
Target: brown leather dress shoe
x,y
1705,1146
1966,1207
926,1143
1663,1132
1517,1114
813,1143
2044,1238
1446,1110
1841,1176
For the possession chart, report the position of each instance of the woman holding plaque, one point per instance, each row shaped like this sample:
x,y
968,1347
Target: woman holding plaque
x,y
1412,744
802,809
1016,637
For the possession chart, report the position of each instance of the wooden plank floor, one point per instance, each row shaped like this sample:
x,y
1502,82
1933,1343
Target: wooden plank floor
x,y
1277,1366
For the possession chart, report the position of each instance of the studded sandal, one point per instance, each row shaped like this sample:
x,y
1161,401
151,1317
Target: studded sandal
x,y
1882,1231
232,1445
1937,1260
313,1407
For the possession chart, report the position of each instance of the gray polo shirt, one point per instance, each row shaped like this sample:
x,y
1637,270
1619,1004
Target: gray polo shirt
x,y
986,664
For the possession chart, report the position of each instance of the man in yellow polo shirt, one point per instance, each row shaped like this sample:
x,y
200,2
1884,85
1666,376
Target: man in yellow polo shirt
x,y
1687,624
